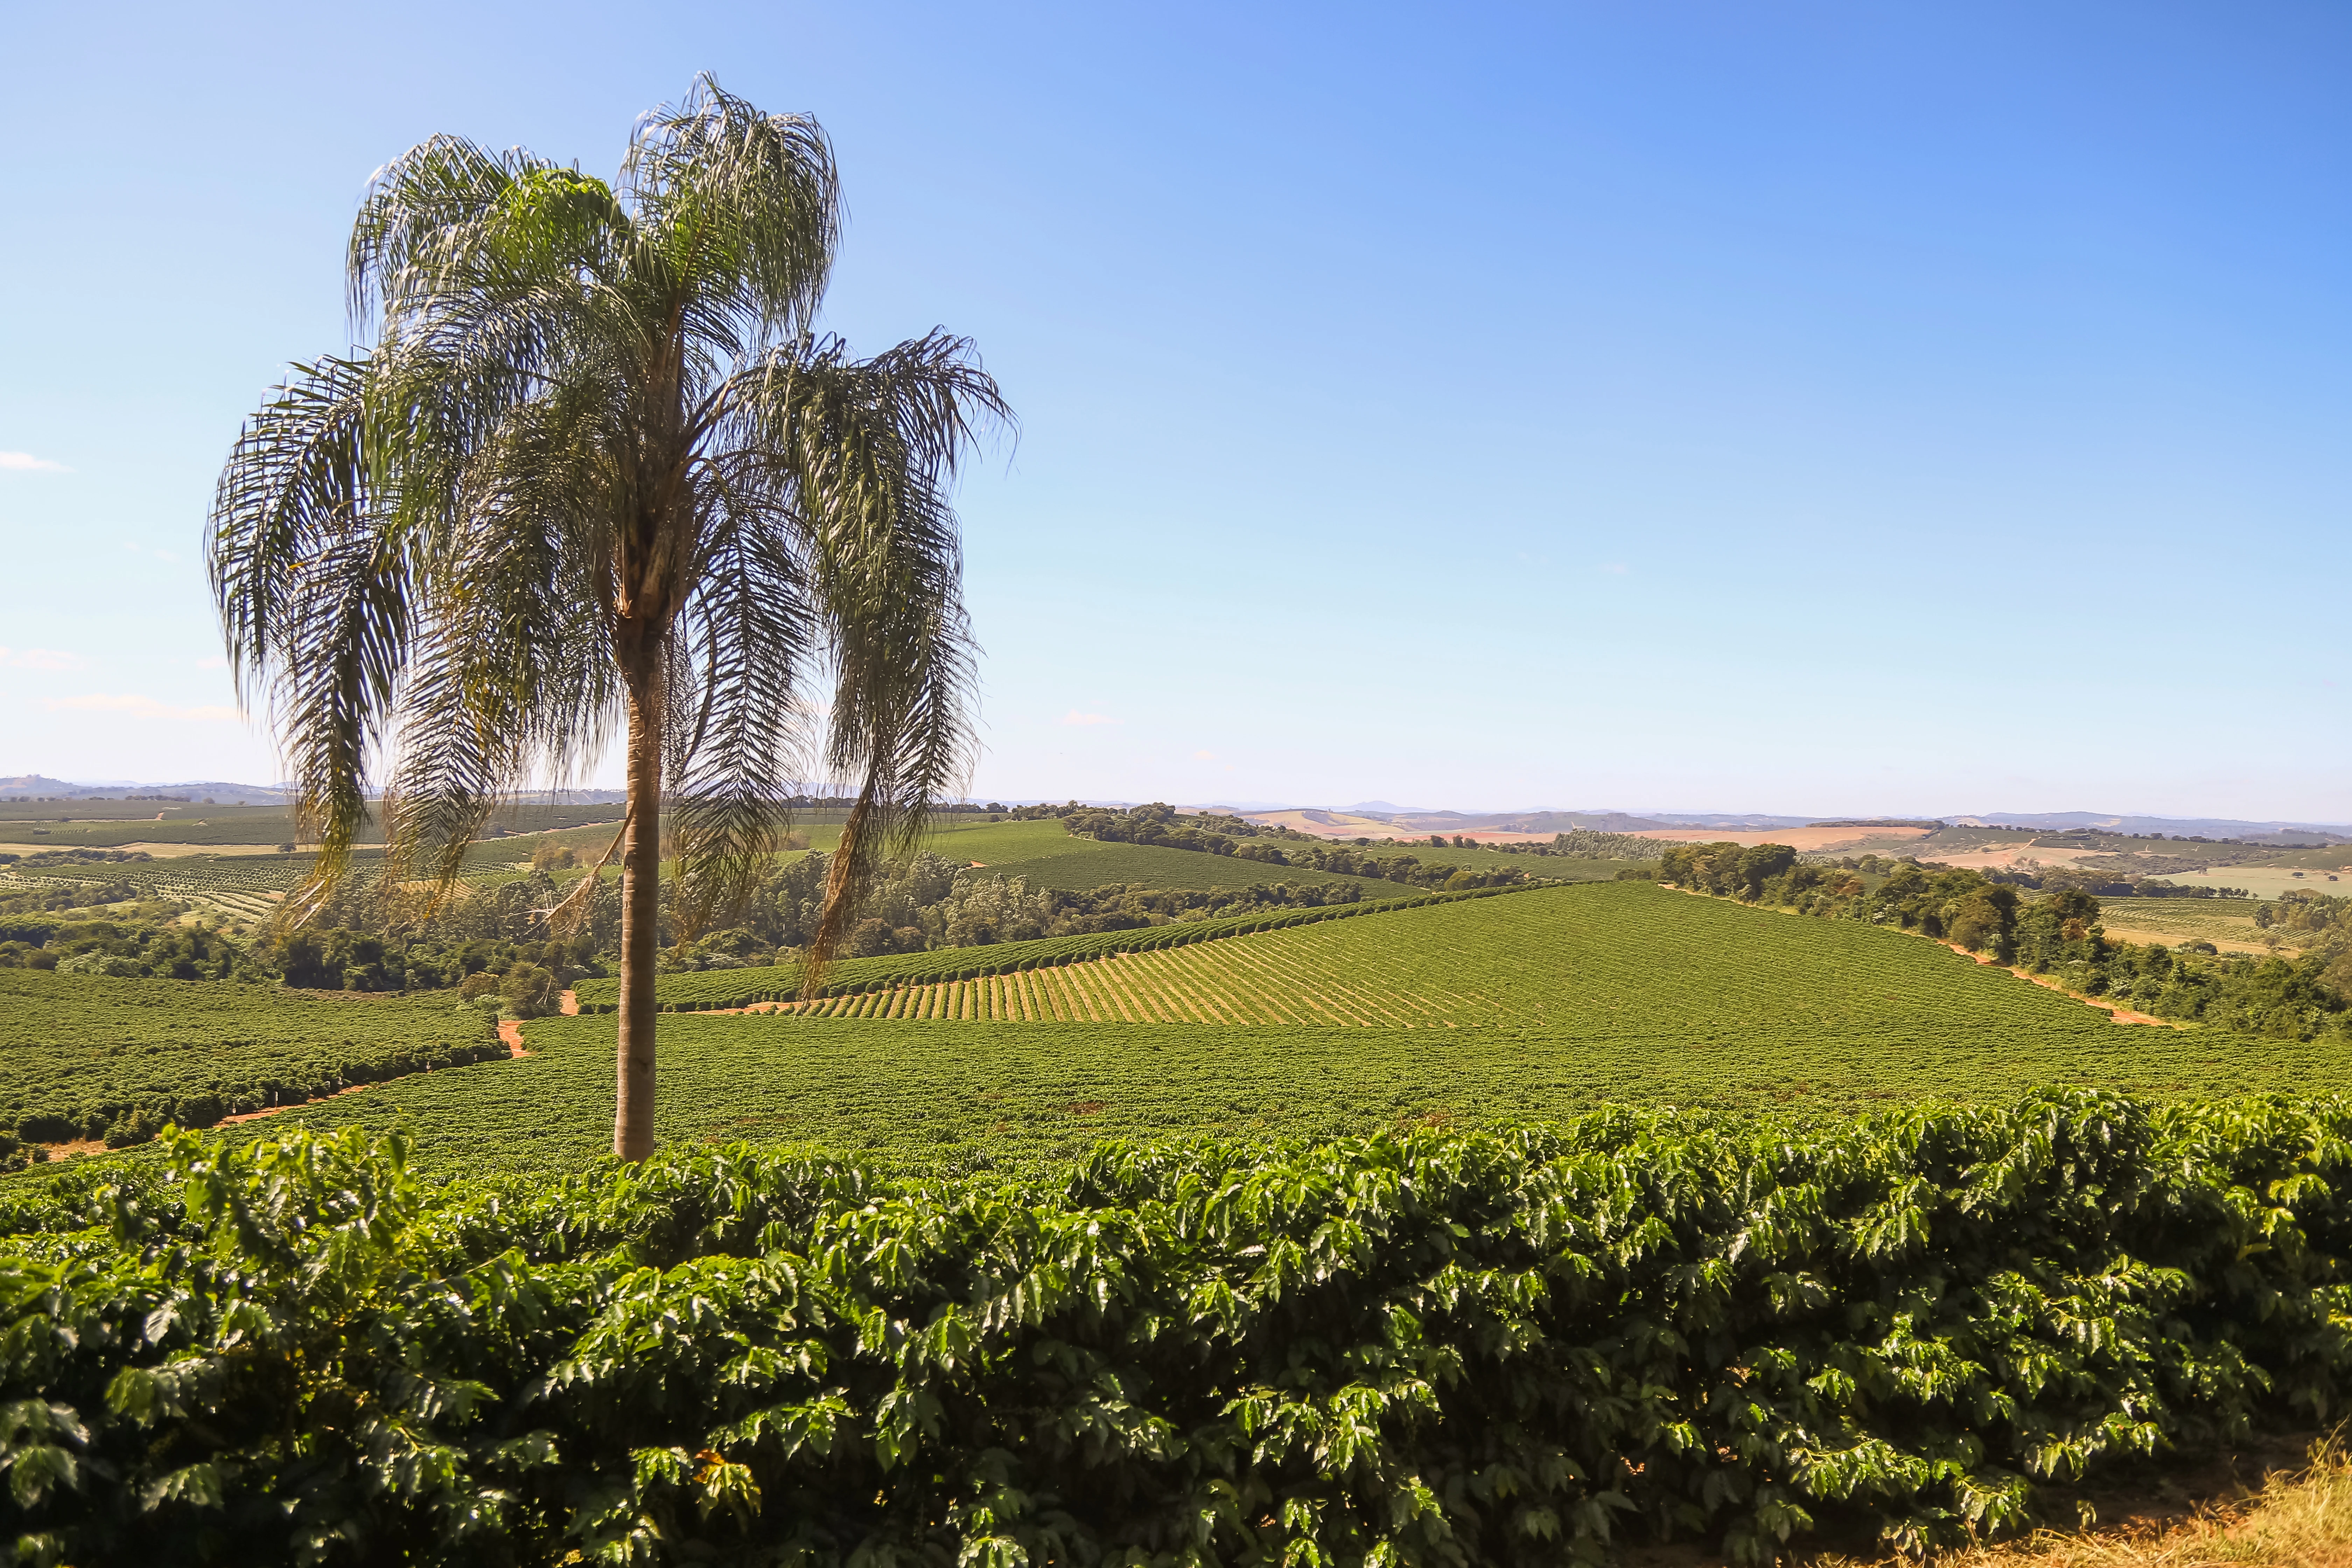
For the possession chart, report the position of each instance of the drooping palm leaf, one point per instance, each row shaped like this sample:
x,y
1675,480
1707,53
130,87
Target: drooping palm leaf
x,y
595,469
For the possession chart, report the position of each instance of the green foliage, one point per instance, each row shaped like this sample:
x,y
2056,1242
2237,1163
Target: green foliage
x,y
1591,844
1162,826
699,991
948,1095
2056,934
1430,1349
81,1056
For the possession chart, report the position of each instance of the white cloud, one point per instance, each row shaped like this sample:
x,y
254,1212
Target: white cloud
x,y
40,659
1075,717
141,708
25,463
1204,756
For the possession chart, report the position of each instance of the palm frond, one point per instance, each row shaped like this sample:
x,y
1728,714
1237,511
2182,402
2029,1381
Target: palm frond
x,y
740,209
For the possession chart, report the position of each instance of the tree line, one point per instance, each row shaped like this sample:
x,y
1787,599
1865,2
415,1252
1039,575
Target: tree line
x,y
494,945
1160,825
2058,934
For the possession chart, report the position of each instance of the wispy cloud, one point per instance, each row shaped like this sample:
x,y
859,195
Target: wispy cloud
x,y
1075,717
40,659
25,463
1204,756
141,708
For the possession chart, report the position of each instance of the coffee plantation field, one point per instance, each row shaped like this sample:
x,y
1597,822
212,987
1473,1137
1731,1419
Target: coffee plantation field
x,y
81,1053
1524,1006
1046,857
2228,924
1614,955
708,990
1438,1349
950,1095
65,825
247,886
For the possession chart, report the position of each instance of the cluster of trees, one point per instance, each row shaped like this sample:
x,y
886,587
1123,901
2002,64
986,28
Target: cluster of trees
x,y
926,902
1208,833
1590,844
358,941
2106,884
145,939
2057,934
41,857
2299,914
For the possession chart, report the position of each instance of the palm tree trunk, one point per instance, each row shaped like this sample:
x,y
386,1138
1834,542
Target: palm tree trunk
x,y
633,1113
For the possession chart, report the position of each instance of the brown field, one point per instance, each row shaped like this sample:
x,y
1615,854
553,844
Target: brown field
x,y
1342,825
160,851
1802,838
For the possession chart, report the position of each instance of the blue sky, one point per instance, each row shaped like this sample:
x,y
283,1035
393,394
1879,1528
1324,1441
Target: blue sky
x,y
1822,408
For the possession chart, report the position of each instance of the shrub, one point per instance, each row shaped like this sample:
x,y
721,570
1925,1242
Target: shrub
x,y
1421,1349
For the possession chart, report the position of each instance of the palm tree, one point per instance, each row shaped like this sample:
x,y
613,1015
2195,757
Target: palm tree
x,y
598,466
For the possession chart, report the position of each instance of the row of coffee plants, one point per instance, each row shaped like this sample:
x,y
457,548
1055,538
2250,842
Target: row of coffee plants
x,y
703,991
1601,956
1524,1349
950,1096
89,1058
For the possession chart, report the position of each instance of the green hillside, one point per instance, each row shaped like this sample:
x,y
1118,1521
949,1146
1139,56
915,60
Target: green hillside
x,y
79,1052
1543,1005
1044,855
941,1095
1609,959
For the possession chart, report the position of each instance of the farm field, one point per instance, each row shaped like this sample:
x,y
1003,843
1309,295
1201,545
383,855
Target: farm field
x,y
947,1096
79,1051
246,886
1610,957
110,824
2270,881
2227,923
1046,857
1559,999
702,990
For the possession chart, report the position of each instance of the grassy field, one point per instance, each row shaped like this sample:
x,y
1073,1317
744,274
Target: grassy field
x,y
1562,999
78,1051
2228,924
2270,881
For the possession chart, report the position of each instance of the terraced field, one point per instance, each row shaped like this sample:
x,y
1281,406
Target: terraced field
x,y
1617,956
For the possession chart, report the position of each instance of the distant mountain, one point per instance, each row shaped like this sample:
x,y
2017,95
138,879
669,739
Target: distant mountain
x,y
2176,827
40,786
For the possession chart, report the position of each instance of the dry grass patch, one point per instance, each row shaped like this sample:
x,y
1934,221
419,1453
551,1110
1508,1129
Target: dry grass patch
x,y
2294,1518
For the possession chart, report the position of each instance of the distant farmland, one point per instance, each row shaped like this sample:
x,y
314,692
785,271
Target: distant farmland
x,y
1529,1006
